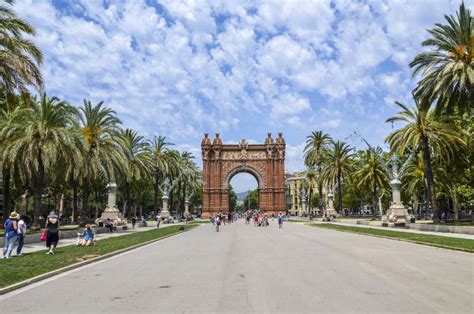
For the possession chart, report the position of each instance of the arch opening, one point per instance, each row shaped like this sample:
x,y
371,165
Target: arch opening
x,y
243,192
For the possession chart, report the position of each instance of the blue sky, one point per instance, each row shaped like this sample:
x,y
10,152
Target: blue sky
x,y
241,68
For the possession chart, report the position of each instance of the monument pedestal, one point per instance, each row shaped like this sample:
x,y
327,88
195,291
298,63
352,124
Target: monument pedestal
x,y
186,208
165,214
111,211
397,214
330,213
114,214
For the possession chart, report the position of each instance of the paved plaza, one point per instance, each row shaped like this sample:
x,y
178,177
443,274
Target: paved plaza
x,y
247,269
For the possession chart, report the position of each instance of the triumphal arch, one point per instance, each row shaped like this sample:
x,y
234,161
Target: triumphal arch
x,y
266,162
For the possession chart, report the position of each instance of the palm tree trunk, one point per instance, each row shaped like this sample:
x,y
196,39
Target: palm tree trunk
x,y
85,201
6,176
75,200
155,195
429,177
455,205
128,196
339,191
39,191
321,199
374,199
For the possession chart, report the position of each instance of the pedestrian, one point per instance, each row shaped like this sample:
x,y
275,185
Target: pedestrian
x,y
52,233
158,220
218,222
280,220
10,226
134,221
21,233
109,224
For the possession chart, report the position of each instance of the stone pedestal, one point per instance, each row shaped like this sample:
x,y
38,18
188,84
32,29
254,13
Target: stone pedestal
x,y
397,214
164,212
330,213
186,208
111,211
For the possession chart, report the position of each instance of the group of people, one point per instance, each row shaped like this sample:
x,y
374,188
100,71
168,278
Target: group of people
x,y
261,220
16,225
14,231
222,218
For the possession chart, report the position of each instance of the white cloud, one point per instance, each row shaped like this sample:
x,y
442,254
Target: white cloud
x,y
190,67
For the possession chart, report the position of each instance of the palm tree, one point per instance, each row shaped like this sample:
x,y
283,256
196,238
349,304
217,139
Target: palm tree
x,y
163,160
371,172
19,56
187,174
9,115
316,146
138,158
425,132
40,140
103,154
336,165
448,70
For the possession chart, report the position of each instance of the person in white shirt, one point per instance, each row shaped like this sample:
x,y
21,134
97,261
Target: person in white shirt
x,y
21,233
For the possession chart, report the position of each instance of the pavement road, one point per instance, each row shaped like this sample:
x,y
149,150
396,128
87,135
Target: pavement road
x,y
243,268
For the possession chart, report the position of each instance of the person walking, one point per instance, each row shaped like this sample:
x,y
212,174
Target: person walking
x,y
158,220
10,226
218,222
280,220
52,233
134,221
21,233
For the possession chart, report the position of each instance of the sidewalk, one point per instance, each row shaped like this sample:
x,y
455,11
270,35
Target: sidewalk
x,y
41,246
441,234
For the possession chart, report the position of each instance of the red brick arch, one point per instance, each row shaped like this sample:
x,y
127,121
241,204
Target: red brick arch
x,y
266,162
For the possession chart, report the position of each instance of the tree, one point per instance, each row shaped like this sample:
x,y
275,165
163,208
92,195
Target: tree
x,y
371,172
316,146
40,140
251,200
425,132
103,153
138,161
232,199
448,70
188,175
11,113
336,165
163,160
19,56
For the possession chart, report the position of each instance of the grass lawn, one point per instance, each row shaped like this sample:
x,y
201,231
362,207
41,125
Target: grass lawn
x,y
456,223
33,264
199,222
458,244
296,220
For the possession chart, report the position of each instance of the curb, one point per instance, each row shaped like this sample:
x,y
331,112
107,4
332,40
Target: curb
x,y
438,246
53,273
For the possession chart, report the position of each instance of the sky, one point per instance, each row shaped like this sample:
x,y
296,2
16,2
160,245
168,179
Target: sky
x,y
240,68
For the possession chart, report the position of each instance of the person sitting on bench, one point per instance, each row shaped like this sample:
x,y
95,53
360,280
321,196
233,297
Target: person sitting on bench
x,y
109,224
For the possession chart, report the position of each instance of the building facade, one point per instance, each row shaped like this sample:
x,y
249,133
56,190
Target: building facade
x,y
295,183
